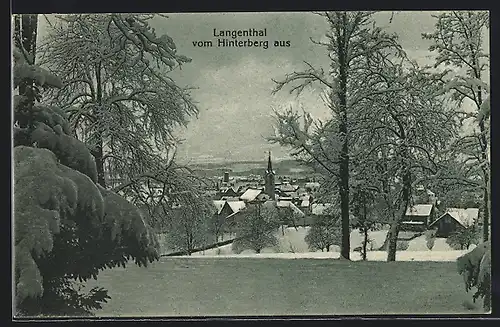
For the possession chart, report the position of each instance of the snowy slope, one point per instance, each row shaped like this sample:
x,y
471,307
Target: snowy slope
x,y
372,255
292,245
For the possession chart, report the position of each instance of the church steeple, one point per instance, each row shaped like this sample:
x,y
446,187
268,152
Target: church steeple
x,y
269,188
269,165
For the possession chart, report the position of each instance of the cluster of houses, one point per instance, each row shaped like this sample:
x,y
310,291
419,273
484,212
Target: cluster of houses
x,y
230,199
422,217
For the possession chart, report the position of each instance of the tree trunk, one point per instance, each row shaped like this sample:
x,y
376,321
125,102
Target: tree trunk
x,y
25,32
393,240
486,211
365,243
344,153
17,31
394,230
98,150
365,228
484,156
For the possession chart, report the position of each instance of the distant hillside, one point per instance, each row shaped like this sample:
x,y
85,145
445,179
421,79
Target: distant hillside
x,y
239,168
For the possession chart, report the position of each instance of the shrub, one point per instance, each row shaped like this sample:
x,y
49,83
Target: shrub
x,y
324,232
463,238
402,245
430,237
258,227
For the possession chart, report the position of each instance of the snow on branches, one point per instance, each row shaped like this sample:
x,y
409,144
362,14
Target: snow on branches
x,y
65,226
116,88
475,267
23,70
72,152
38,210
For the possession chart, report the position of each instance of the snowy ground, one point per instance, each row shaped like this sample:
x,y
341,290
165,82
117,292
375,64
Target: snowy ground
x,y
292,246
437,256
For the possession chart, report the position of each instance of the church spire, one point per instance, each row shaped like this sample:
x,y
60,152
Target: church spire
x,y
269,165
269,188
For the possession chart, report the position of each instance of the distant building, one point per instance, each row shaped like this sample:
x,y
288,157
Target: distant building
x,y
319,209
312,186
418,217
454,219
227,192
269,177
254,195
289,204
304,203
287,187
312,211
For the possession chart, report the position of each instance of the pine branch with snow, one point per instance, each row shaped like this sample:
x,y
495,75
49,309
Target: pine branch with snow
x,y
66,228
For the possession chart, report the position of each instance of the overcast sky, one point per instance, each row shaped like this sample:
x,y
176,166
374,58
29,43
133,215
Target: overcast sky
x,y
234,84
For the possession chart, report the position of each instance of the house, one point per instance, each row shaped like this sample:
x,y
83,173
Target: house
x,y
454,219
319,209
289,204
417,217
226,208
314,210
219,204
236,206
312,186
227,192
254,195
227,212
303,201
287,187
291,214
280,194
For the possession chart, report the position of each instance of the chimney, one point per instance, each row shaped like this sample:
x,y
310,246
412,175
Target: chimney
x,y
226,177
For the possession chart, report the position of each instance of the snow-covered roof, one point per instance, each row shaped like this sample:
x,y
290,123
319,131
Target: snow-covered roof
x,y
226,189
466,217
312,184
250,194
219,204
286,187
289,204
319,208
236,205
419,210
283,203
230,198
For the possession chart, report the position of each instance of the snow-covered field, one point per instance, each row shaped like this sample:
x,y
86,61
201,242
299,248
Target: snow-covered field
x,y
355,256
292,246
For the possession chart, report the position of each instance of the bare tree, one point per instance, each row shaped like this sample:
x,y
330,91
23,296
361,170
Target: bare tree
x,y
403,134
458,41
353,42
117,91
257,228
190,225
324,232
